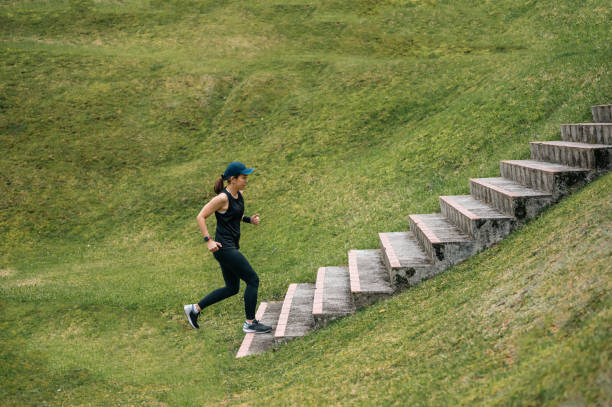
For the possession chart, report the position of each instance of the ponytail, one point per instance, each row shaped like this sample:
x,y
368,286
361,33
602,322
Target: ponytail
x,y
219,185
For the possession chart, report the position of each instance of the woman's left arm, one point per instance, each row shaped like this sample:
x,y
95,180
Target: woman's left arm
x,y
253,220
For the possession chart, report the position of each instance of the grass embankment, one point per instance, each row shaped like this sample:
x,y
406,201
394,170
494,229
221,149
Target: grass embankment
x,y
116,118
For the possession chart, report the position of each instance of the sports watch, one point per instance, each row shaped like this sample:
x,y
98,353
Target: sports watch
x,y
206,238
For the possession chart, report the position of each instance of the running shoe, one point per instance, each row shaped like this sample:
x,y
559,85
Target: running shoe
x,y
192,315
256,327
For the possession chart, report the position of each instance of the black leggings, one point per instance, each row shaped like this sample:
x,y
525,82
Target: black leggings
x,y
234,267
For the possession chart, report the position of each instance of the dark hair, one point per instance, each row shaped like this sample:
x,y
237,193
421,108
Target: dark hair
x,y
219,185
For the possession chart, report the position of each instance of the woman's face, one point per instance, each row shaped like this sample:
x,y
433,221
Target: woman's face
x,y
240,181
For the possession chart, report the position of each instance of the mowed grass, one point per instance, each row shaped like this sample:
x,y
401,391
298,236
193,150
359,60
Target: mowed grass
x,y
116,117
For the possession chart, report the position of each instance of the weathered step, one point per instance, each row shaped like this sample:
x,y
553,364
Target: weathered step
x,y
267,313
558,179
296,317
484,223
510,197
591,133
368,276
404,258
332,296
584,155
602,113
442,241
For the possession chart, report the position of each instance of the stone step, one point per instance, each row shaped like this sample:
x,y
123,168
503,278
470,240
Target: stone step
x,y
602,113
558,179
267,313
406,261
332,296
445,244
483,222
584,155
296,318
591,133
510,197
368,276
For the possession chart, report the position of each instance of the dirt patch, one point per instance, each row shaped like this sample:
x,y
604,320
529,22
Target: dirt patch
x,y
73,331
28,283
6,272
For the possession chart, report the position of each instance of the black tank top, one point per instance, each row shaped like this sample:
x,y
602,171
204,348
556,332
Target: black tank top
x,y
228,223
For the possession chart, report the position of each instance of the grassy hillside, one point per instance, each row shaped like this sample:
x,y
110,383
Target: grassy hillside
x,y
116,117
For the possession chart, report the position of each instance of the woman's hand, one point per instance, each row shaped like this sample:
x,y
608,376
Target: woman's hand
x,y
255,219
213,246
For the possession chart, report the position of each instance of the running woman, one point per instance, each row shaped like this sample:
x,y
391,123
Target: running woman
x,y
228,207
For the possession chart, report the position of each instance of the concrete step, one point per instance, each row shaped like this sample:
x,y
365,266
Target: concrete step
x,y
584,155
368,276
332,296
591,133
296,318
558,179
510,197
443,242
406,261
602,113
484,223
267,313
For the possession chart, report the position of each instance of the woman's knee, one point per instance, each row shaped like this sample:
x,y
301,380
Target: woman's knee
x,y
253,281
232,289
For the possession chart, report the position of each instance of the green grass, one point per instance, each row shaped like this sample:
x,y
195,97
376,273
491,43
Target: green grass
x,y
116,117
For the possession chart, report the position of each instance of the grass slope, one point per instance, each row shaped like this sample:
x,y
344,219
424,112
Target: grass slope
x,y
117,116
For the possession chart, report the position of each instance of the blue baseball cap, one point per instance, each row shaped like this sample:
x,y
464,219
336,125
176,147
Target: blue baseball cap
x,y
236,168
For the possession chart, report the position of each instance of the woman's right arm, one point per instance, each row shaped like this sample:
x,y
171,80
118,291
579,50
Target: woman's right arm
x,y
215,204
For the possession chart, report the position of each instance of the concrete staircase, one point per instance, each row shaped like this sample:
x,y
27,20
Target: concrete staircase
x,y
466,225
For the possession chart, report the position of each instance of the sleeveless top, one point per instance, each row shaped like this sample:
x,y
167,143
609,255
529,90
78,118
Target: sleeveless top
x,y
228,222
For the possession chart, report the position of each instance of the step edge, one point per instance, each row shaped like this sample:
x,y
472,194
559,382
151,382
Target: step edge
x,y
431,236
586,124
283,318
575,145
353,273
317,302
527,164
508,193
389,250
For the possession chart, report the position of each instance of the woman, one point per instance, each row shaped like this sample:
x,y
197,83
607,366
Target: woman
x,y
228,207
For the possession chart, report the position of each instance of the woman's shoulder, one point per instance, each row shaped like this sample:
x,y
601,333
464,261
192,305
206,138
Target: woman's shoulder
x,y
220,198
